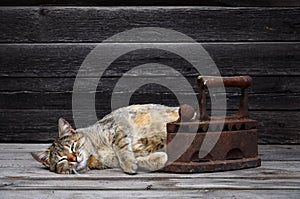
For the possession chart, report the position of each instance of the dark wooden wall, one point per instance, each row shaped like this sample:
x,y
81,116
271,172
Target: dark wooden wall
x,y
42,47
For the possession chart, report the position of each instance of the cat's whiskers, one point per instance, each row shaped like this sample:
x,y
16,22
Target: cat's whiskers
x,y
74,171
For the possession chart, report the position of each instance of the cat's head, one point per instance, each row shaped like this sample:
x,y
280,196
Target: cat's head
x,y
67,154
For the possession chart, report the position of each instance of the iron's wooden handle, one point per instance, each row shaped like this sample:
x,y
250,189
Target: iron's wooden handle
x,y
206,82
236,81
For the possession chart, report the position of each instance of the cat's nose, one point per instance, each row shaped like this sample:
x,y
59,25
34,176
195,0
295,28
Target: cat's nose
x,y
72,157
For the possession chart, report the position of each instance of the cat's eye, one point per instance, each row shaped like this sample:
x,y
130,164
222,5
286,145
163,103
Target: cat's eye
x,y
61,160
73,147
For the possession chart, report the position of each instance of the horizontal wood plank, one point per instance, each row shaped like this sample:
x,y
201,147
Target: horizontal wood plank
x,y
147,94
142,184
205,193
151,3
279,152
275,127
21,175
22,85
64,60
95,24
32,170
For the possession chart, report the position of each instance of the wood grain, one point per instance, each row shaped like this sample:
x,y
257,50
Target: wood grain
x,y
26,177
64,60
151,3
147,94
94,24
14,85
142,184
27,194
32,170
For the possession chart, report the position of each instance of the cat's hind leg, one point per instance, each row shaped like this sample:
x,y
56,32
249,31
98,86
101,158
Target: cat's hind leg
x,y
152,162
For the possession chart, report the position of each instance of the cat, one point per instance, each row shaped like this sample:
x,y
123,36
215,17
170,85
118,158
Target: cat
x,y
132,138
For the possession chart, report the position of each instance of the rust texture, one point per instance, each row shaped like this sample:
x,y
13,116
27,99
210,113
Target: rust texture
x,y
236,147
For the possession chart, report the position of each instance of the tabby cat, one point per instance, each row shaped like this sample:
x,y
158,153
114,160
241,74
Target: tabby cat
x,y
132,138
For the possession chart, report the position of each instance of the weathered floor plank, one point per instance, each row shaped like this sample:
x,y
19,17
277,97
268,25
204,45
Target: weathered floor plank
x,y
156,184
198,193
279,176
32,170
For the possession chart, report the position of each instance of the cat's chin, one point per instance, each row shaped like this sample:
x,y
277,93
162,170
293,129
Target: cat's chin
x,y
81,161
81,166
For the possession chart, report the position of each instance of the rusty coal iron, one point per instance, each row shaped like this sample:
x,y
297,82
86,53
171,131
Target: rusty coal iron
x,y
236,147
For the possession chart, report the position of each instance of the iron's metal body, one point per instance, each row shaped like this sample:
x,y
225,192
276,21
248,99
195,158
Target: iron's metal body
x,y
236,147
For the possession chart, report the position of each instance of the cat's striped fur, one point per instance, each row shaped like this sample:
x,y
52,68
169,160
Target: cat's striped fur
x,y
131,137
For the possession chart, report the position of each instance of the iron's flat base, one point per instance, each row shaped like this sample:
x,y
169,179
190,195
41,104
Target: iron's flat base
x,y
212,166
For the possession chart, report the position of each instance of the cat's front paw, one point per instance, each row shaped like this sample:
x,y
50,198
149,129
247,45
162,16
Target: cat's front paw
x,y
153,162
65,171
129,166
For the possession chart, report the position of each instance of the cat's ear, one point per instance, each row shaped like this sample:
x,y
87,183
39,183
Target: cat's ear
x,y
42,157
64,128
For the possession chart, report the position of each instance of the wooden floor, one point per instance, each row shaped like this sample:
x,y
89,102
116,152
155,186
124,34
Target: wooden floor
x,y
278,177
